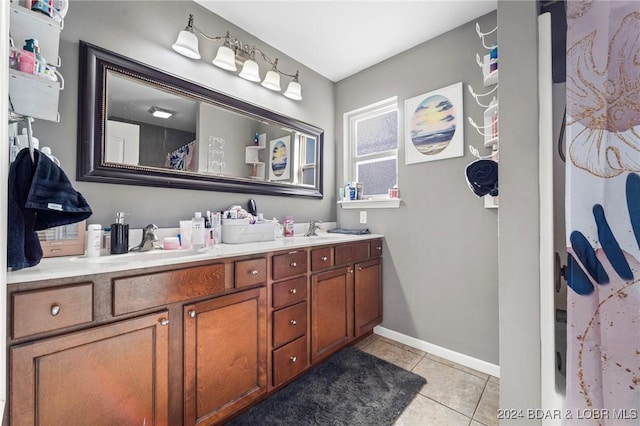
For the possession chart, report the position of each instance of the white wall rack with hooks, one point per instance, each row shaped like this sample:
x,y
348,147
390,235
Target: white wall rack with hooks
x,y
488,63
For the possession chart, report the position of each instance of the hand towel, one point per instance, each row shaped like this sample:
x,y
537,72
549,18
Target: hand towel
x,y
482,177
349,231
40,197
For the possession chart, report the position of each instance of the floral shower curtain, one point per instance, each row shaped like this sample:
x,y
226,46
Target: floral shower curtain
x,y
603,212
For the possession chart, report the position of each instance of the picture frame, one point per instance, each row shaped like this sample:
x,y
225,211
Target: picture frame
x,y
280,158
434,125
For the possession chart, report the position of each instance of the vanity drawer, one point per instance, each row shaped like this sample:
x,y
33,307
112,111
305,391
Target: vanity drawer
x,y
133,294
289,324
375,248
51,309
289,264
321,258
353,252
288,292
289,360
251,272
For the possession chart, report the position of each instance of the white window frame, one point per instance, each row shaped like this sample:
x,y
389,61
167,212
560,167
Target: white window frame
x,y
349,123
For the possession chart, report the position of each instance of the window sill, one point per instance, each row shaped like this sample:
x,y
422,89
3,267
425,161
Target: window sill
x,y
379,203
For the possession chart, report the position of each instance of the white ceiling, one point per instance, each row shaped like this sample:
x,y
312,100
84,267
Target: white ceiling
x,y
340,38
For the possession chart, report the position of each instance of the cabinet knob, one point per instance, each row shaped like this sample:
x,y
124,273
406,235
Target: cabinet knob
x,y
324,258
254,272
294,264
293,322
359,268
379,248
55,310
293,291
164,321
351,271
192,314
293,359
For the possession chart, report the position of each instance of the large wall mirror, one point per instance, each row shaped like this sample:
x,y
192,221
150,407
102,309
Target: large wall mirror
x,y
141,126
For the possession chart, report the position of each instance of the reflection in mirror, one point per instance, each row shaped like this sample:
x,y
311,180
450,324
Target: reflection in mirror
x,y
142,126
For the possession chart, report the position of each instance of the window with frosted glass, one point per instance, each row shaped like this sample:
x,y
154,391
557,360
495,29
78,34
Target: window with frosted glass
x,y
372,147
378,175
377,134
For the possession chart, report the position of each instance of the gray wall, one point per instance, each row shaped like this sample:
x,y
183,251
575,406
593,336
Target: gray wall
x,y
519,265
441,254
145,31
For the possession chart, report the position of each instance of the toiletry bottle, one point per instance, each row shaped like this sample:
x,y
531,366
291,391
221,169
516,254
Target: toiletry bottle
x,y
106,241
256,139
208,231
288,226
197,231
94,240
119,235
353,191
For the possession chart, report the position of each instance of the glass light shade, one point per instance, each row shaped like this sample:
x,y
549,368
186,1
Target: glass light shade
x,y
187,45
250,71
225,59
294,91
272,81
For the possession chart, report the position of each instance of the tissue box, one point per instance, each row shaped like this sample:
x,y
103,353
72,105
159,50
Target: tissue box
x,y
240,233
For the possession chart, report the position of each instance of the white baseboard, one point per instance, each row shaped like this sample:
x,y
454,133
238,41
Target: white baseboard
x,y
448,354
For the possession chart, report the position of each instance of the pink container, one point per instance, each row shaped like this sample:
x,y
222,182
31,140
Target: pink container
x,y
27,62
171,243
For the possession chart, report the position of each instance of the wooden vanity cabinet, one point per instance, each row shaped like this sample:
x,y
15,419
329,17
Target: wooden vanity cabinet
x,y
225,355
191,344
367,296
331,311
111,374
289,316
346,302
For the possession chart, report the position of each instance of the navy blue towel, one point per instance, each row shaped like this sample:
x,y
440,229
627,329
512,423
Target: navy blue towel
x,y
40,197
482,177
349,231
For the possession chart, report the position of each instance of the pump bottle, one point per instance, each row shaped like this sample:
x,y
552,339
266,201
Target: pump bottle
x,y
119,235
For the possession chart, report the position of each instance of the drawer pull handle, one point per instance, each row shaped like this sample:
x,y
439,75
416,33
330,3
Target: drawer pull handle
x,y
293,322
324,258
192,314
293,291
254,272
55,310
294,264
164,321
293,359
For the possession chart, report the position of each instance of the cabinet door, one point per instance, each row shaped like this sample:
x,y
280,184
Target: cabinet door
x,y
368,296
225,355
331,311
107,375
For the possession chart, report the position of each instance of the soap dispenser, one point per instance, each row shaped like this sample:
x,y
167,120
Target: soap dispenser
x,y
119,235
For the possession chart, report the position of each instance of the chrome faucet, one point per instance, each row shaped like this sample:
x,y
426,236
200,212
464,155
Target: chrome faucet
x,y
314,225
148,239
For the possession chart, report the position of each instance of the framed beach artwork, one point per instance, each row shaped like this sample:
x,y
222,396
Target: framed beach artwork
x,y
434,126
280,158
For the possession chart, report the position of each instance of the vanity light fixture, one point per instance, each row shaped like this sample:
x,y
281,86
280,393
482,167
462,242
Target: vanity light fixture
x,y
161,112
233,52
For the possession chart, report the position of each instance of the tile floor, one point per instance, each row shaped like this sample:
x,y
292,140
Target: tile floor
x,y
454,394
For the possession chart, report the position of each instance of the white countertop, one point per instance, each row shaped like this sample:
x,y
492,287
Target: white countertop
x,y
73,266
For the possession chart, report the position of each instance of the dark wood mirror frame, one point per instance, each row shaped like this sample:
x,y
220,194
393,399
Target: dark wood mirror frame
x,y
94,64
